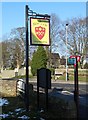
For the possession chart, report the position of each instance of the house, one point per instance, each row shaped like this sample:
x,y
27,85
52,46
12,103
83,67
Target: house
x,y
54,60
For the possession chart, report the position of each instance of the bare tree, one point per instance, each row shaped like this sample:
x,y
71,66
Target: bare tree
x,y
54,36
13,48
5,53
77,39
18,37
54,31
18,34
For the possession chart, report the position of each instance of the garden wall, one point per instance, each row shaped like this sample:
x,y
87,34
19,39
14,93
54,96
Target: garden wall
x,y
7,88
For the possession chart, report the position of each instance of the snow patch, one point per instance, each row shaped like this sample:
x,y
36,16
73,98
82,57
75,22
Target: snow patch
x,y
41,110
24,117
18,110
3,102
4,115
10,113
42,119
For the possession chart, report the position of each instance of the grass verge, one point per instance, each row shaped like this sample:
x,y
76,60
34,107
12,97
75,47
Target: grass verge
x,y
71,77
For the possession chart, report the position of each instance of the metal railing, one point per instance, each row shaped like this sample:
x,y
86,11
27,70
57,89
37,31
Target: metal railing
x,y
20,87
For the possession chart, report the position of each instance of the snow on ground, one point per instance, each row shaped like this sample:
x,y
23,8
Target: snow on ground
x,y
42,119
17,111
3,102
24,117
4,115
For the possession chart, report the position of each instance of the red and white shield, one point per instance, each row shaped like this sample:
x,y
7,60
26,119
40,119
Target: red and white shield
x,y
40,32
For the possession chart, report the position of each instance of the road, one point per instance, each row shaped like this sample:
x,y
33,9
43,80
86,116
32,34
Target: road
x,y
69,86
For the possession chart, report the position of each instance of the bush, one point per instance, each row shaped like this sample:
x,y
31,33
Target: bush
x,y
52,71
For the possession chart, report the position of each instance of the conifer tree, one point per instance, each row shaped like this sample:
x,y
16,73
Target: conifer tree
x,y
39,60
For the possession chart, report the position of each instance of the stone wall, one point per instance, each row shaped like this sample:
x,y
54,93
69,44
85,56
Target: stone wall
x,y
11,73
7,88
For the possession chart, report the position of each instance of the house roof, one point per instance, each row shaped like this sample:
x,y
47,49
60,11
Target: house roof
x,y
55,56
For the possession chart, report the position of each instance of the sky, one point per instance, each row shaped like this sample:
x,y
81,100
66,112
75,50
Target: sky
x,y
44,0
12,14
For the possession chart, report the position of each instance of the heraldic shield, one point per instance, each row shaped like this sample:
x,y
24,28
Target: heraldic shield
x,y
40,32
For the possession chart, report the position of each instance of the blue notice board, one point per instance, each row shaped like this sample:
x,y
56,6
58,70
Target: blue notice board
x,y
71,61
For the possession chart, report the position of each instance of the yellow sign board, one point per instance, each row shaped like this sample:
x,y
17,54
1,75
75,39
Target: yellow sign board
x,y
39,31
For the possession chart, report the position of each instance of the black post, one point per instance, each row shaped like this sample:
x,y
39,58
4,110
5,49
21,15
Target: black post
x,y
37,89
74,83
76,92
46,89
27,60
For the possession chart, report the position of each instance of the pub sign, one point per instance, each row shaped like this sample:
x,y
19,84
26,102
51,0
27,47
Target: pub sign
x,y
39,31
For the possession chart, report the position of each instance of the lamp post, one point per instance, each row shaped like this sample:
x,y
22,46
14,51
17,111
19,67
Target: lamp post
x,y
66,52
